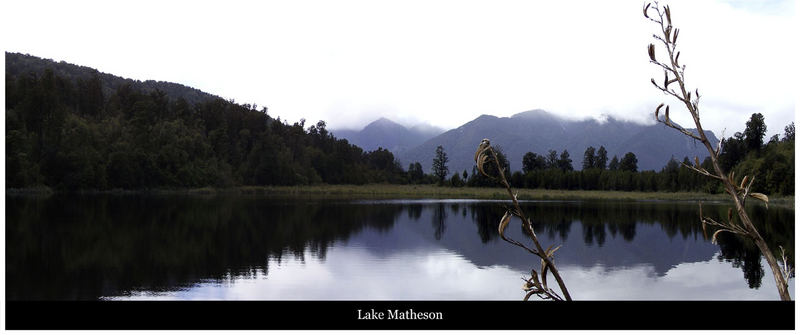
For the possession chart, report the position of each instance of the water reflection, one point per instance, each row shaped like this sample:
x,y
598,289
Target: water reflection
x,y
87,247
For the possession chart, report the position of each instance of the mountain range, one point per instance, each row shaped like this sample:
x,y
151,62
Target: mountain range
x,y
536,131
390,135
539,131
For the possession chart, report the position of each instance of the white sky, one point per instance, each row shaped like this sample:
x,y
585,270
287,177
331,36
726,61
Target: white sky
x,y
440,62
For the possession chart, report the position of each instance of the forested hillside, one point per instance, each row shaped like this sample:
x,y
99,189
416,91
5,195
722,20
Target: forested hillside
x,y
68,133
82,76
73,128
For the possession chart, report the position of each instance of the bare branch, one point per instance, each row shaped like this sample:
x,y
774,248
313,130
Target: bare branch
x,y
702,171
536,286
740,192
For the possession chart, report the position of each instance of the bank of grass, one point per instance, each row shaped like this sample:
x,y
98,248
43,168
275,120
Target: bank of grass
x,y
437,192
388,191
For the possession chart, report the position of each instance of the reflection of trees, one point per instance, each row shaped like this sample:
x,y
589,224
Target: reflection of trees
x,y
673,218
414,211
439,218
84,247
487,218
616,217
744,255
75,247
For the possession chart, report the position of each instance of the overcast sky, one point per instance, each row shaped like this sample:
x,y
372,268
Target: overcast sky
x,y
439,62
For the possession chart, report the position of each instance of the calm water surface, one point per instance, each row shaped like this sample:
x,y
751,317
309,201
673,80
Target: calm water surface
x,y
256,248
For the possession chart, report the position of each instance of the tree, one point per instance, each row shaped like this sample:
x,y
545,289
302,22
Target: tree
x,y
552,159
455,180
629,162
415,173
533,162
564,162
439,166
589,161
601,159
788,133
754,132
738,190
733,151
614,164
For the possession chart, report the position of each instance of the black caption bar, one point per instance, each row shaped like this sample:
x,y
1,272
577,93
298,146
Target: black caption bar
x,y
429,315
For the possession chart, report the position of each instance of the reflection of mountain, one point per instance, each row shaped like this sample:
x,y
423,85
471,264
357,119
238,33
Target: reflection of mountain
x,y
610,241
83,247
660,235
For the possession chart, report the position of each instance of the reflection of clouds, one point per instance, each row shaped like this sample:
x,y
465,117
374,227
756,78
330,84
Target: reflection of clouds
x,y
357,274
707,280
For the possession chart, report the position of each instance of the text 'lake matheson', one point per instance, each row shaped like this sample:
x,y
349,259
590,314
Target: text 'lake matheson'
x,y
397,314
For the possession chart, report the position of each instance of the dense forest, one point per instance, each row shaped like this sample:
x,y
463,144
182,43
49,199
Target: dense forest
x,y
70,135
74,128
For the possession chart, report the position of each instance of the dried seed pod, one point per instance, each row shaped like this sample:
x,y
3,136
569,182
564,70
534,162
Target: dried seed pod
x,y
646,7
651,50
714,237
761,196
657,109
705,235
482,159
669,17
676,57
481,148
544,274
675,36
535,277
504,223
551,252
702,220
526,286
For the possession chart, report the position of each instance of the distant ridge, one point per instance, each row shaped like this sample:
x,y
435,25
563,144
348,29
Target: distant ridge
x,y
390,135
539,131
18,64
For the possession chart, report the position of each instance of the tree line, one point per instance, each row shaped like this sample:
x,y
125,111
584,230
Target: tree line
x,y
744,153
68,134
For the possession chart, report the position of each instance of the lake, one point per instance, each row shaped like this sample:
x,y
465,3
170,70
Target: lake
x,y
185,247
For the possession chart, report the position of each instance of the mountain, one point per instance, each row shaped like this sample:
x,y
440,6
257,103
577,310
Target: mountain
x,y
539,131
387,134
18,64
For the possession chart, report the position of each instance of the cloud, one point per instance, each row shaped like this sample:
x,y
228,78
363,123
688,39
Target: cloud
x,y
444,62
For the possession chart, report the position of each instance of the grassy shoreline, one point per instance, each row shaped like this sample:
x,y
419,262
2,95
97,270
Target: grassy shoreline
x,y
385,191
